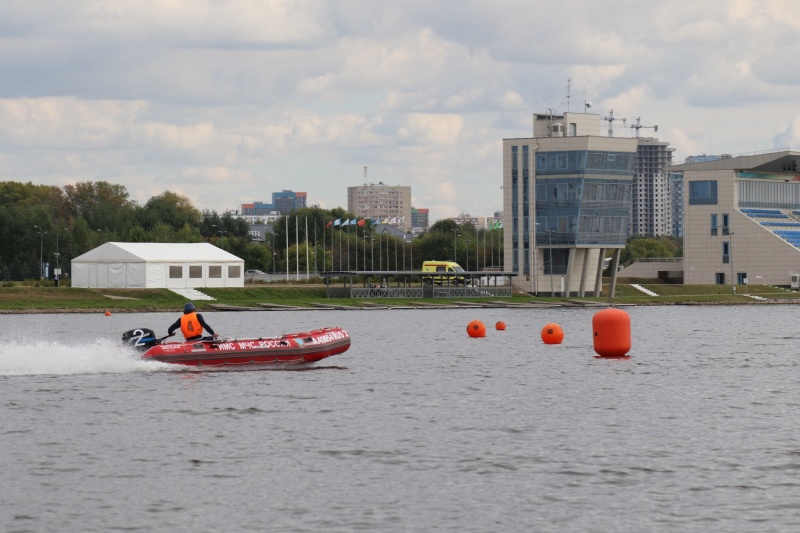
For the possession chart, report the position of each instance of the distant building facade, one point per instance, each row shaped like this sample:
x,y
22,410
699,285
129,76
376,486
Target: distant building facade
x,y
420,219
652,201
391,204
283,203
566,201
742,219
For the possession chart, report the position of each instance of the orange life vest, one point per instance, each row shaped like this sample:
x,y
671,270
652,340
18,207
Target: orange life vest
x,y
190,326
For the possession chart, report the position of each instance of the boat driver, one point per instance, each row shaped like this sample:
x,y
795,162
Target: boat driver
x,y
191,324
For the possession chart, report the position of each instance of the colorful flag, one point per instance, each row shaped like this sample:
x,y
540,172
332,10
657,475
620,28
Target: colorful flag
x,y
338,222
346,222
329,224
394,221
375,222
362,221
401,219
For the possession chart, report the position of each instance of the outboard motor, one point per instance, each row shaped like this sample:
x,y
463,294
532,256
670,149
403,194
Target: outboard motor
x,y
140,338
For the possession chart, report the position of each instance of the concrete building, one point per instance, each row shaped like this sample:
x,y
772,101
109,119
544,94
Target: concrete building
x,y
742,219
651,210
566,201
391,204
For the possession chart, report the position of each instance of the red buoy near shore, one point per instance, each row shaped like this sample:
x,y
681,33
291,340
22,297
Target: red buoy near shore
x,y
552,334
500,326
612,333
476,329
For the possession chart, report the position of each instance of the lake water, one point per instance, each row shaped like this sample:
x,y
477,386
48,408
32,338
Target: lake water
x,y
417,427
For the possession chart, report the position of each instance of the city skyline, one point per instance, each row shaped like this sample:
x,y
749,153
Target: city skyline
x,y
224,102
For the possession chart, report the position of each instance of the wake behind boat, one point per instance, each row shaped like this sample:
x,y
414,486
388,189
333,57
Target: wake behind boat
x,y
288,349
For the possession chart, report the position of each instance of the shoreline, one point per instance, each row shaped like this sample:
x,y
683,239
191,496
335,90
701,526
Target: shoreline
x,y
372,306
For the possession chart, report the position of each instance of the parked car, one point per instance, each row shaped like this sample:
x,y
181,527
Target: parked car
x,y
255,272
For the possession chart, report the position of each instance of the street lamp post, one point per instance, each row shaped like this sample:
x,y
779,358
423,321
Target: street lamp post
x,y
222,235
41,248
455,245
58,257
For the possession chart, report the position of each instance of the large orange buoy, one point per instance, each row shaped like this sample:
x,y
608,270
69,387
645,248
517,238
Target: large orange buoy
x,y
476,329
108,313
500,326
552,334
612,332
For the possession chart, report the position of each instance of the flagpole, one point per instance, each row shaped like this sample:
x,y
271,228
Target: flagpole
x,y
306,238
348,244
286,228
297,248
315,246
324,231
372,241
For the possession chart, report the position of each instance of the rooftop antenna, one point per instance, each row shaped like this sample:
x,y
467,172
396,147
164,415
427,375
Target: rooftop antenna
x,y
569,82
365,176
639,126
610,119
586,105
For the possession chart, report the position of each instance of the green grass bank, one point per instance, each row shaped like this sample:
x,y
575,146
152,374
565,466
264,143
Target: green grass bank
x,y
36,299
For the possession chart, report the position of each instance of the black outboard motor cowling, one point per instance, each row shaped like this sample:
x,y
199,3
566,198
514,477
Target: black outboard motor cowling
x,y
140,338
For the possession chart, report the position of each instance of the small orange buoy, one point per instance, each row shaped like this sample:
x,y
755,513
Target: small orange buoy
x,y
612,332
108,313
500,326
476,329
552,334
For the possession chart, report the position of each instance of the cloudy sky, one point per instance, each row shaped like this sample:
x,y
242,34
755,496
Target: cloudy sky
x,y
225,101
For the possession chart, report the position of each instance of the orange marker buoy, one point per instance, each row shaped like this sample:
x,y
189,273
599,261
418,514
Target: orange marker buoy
x,y
108,313
476,329
500,326
612,332
552,334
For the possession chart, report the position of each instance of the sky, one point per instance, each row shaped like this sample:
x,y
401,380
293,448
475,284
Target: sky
x,y
227,101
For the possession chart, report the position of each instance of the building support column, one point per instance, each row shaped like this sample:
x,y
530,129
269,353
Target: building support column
x,y
614,270
582,289
598,282
570,262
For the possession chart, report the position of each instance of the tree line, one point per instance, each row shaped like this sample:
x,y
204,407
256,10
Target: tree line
x,y
49,226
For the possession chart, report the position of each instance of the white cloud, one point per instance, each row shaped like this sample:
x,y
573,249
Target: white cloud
x,y
233,99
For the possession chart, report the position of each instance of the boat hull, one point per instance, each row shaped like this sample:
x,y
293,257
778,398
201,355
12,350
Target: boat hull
x,y
290,349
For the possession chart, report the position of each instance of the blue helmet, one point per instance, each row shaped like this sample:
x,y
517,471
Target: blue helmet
x,y
188,308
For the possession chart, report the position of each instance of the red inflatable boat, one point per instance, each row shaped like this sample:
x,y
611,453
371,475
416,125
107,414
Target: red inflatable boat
x,y
288,349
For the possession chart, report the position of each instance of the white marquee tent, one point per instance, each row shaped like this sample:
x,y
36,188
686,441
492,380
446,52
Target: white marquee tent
x,y
144,265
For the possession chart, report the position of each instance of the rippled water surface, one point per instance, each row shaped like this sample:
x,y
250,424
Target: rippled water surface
x,y
417,427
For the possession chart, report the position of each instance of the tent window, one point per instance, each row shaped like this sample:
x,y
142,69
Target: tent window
x,y
215,271
175,272
234,271
195,271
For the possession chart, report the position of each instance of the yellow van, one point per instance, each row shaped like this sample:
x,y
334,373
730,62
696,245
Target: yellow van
x,y
443,266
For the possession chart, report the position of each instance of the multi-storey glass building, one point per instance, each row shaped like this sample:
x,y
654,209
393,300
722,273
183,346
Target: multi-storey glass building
x,y
566,201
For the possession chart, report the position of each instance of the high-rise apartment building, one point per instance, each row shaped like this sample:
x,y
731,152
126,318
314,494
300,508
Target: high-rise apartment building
x,y
391,204
652,206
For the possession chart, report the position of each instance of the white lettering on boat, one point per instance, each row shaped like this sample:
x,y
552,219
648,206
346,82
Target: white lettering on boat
x,y
331,336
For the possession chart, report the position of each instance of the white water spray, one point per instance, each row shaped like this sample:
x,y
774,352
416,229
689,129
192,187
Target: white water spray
x,y
42,357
